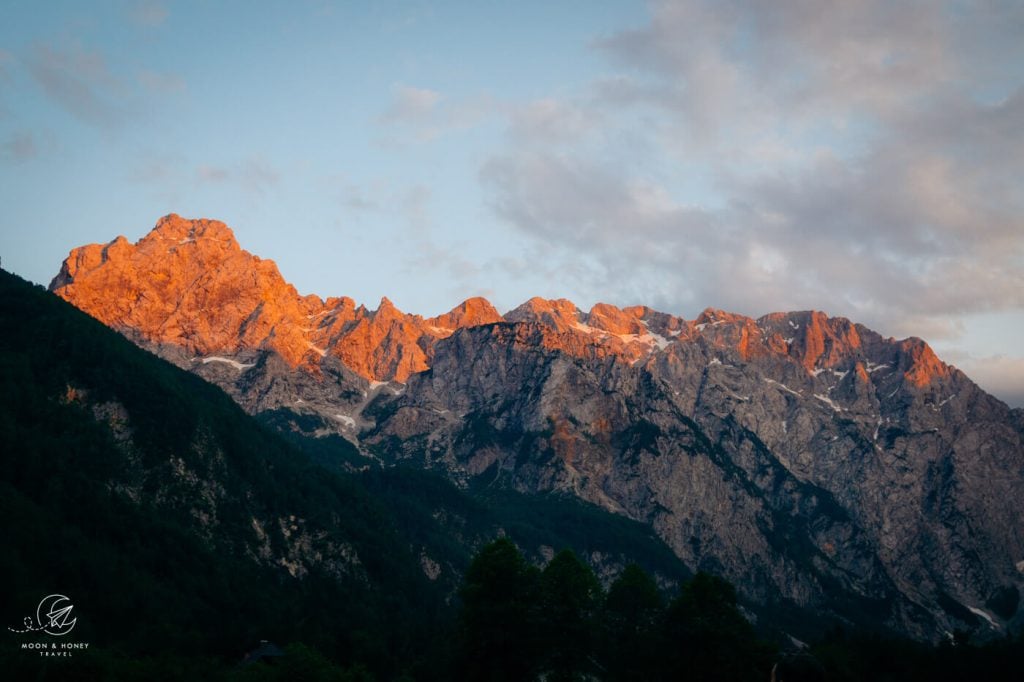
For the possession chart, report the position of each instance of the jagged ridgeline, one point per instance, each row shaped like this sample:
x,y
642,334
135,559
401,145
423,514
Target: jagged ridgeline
x,y
824,469
183,528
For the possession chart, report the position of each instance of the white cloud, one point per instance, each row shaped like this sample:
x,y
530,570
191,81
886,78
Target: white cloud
x,y
254,175
552,120
784,156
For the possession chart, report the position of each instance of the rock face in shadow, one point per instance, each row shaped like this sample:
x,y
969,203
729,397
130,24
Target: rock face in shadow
x,y
808,459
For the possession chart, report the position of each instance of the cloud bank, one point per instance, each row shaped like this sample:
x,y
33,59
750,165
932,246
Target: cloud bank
x,y
862,158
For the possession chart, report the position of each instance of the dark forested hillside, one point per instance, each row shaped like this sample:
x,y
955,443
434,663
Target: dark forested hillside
x,y
177,525
185,532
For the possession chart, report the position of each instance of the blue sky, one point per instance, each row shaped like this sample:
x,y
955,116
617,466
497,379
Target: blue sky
x,y
862,158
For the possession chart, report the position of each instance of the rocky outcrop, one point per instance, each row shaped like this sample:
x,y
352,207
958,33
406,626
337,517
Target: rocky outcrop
x,y
188,284
188,292
810,460
814,469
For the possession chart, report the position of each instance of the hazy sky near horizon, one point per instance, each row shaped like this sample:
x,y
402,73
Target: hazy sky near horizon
x,y
862,158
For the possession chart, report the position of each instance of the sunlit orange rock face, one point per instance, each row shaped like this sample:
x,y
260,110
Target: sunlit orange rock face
x,y
188,283
922,365
471,313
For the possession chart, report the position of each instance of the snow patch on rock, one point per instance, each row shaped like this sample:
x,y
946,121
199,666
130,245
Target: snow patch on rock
x,y
241,367
984,614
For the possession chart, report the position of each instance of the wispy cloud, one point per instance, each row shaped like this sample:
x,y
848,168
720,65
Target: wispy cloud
x,y
80,82
162,176
411,105
354,198
156,169
258,176
254,175
419,115
554,120
206,173
20,146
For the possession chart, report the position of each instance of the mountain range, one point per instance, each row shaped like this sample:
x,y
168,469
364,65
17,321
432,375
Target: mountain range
x,y
822,468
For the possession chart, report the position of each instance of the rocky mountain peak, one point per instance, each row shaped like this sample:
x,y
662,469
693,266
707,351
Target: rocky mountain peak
x,y
612,319
188,284
561,314
470,313
713,316
386,310
921,365
173,227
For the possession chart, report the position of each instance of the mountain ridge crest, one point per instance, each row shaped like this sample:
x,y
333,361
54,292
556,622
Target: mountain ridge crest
x,y
189,283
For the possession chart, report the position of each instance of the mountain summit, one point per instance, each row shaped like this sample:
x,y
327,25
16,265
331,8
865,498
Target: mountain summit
x,y
188,284
821,467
